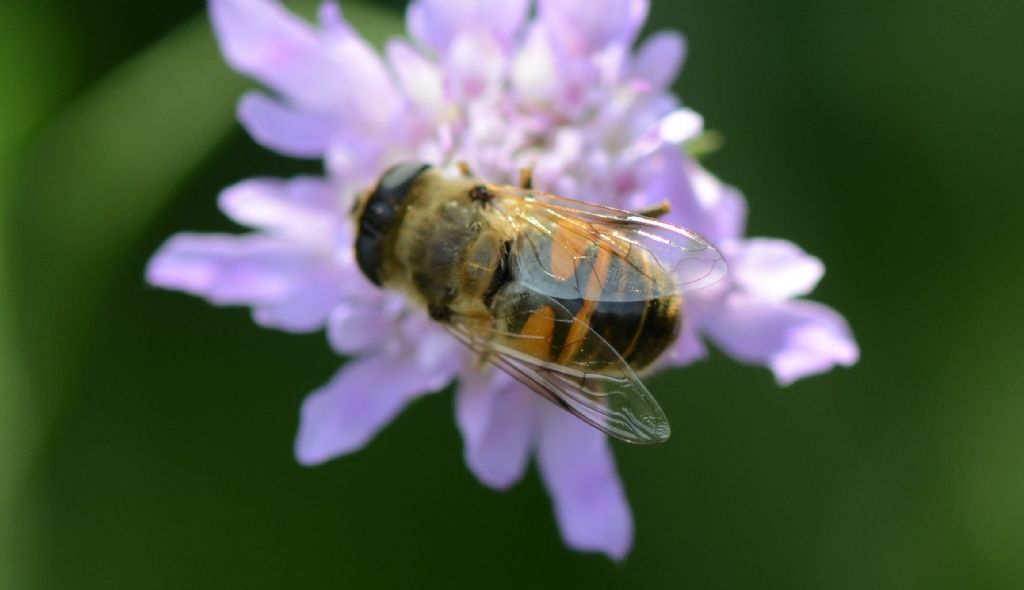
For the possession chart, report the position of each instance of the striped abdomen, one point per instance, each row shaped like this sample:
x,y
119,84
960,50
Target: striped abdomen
x,y
568,330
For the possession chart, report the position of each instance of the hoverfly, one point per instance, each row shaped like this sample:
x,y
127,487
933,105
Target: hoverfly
x,y
570,298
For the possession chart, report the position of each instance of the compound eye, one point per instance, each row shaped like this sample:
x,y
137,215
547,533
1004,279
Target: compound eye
x,y
378,216
383,203
395,183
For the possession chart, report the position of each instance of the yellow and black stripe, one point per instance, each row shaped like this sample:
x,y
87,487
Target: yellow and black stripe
x,y
563,330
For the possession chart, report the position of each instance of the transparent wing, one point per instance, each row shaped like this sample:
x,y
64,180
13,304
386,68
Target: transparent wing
x,y
560,242
602,391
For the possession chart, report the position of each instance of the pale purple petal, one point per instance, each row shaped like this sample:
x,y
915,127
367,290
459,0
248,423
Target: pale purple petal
x,y
495,416
332,73
420,78
368,98
362,398
668,131
289,286
660,58
307,307
688,348
332,20
362,328
262,39
304,208
552,82
566,150
473,66
723,209
436,23
680,125
356,162
296,133
536,74
435,349
638,11
588,27
426,28
793,338
774,269
225,269
665,178
578,469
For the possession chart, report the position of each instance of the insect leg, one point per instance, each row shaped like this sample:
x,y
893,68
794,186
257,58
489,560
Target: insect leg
x,y
526,177
655,211
483,360
464,169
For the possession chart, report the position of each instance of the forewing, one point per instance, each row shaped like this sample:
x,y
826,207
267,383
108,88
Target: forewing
x,y
559,241
613,400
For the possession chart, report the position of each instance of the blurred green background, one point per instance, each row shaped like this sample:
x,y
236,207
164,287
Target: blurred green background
x,y
145,437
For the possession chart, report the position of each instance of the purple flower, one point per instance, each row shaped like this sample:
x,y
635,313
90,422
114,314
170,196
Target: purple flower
x,y
501,87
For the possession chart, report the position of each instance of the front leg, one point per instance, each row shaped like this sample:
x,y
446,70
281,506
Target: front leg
x,y
656,211
526,177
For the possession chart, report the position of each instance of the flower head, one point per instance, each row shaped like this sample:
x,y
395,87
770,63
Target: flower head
x,y
501,85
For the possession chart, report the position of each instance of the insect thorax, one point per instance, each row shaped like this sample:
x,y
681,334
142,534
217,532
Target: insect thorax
x,y
444,254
